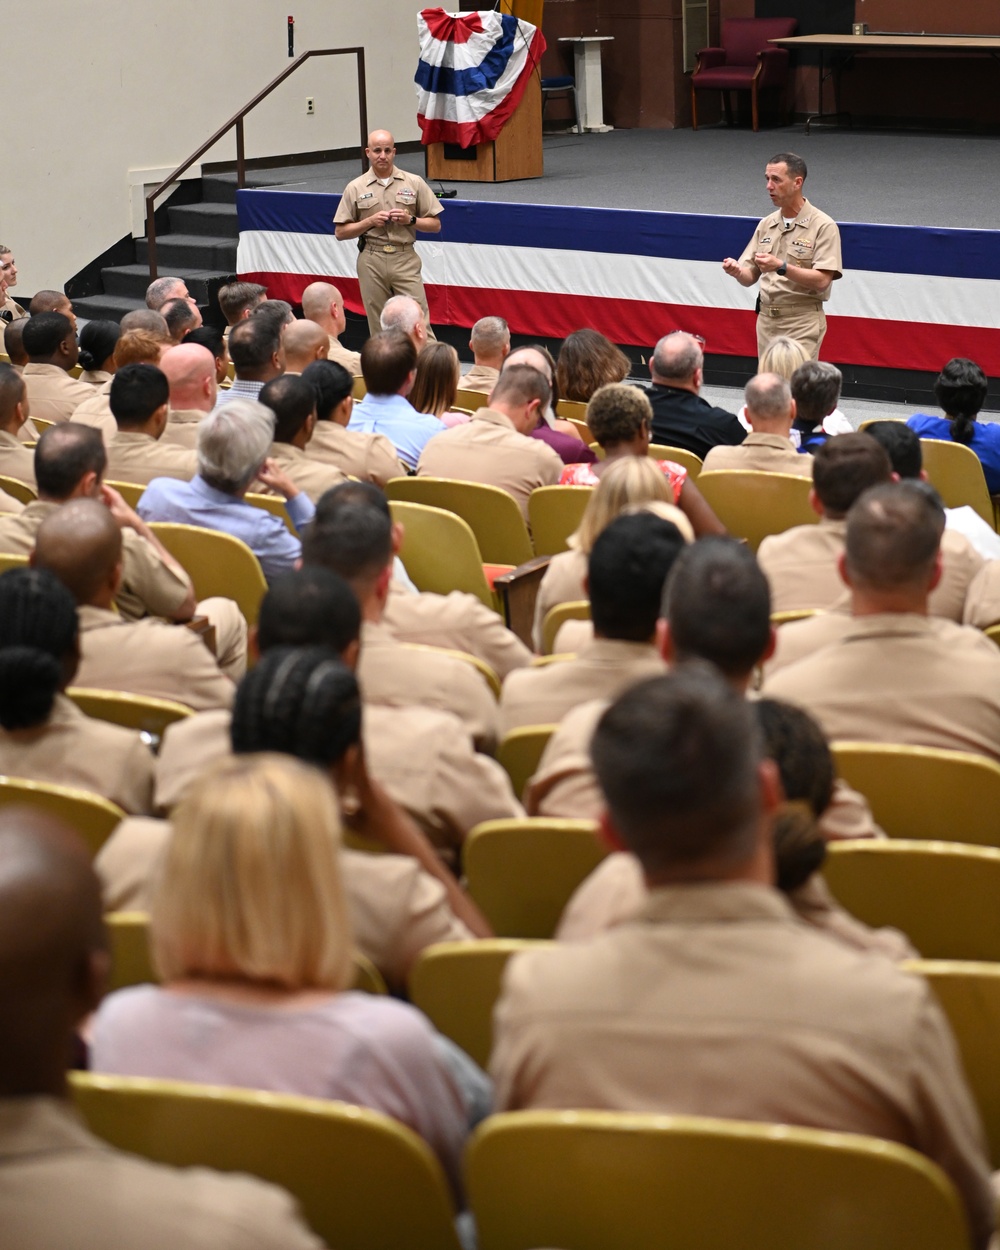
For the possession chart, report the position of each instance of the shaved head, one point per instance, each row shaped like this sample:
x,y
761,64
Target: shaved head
x,y
304,342
190,373
317,298
146,319
82,545
52,948
12,393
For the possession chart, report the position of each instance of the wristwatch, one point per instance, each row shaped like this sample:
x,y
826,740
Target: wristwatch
x,y
413,219
782,269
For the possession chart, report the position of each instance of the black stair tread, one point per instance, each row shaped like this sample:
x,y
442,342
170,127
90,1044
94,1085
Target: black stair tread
x,y
175,272
209,207
193,240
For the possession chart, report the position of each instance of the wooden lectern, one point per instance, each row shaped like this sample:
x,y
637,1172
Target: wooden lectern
x,y
517,150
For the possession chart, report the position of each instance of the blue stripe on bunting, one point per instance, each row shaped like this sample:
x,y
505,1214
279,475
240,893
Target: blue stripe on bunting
x,y
444,80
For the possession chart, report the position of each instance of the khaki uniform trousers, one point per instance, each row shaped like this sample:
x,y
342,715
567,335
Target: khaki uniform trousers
x,y
382,274
802,319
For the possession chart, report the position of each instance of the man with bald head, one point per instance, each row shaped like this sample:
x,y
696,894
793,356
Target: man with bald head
x,y
146,319
16,461
324,304
53,301
383,210
59,1185
681,418
769,448
190,373
402,312
489,343
304,342
81,544
13,344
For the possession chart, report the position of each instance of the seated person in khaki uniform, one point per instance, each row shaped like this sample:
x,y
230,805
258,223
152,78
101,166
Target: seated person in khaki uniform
x,y
770,411
139,399
237,300
323,304
16,460
191,377
717,1000
50,342
293,402
303,342
489,343
402,312
13,344
368,457
59,1185
181,316
140,346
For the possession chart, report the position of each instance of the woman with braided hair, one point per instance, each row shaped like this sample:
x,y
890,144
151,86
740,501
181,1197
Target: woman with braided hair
x,y
43,735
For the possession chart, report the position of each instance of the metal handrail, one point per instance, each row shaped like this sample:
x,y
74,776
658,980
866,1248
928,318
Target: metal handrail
x,y
237,121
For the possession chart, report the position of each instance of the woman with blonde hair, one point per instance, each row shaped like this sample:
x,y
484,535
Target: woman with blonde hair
x,y
251,938
436,384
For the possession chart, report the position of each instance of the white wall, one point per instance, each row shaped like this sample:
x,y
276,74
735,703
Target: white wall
x,y
98,89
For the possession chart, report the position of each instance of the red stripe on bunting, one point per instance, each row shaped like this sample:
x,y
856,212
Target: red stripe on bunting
x,y
451,29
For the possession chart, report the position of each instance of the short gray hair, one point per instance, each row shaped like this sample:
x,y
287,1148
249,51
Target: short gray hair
x,y
158,292
401,312
677,355
816,389
768,396
489,335
233,442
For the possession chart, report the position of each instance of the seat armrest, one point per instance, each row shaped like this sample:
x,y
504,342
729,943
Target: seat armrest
x,y
772,67
518,591
710,58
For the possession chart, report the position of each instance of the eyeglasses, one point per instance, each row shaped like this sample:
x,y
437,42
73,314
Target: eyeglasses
x,y
697,337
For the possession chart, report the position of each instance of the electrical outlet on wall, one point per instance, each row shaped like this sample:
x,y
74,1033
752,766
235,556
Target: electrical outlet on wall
x,y
310,106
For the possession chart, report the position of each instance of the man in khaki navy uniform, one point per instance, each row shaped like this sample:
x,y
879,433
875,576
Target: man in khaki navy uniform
x,y
385,208
16,460
139,397
768,448
795,253
324,304
190,373
293,402
50,341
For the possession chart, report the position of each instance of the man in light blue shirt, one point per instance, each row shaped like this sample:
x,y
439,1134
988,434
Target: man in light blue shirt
x,y
233,443
257,355
389,364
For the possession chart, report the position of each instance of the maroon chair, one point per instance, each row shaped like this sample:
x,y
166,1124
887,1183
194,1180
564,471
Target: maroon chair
x,y
745,62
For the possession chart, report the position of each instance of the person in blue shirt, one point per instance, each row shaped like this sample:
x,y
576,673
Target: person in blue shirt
x,y
960,390
389,366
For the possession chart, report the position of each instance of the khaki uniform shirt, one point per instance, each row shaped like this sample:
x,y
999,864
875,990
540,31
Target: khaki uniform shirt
x,y
765,453
53,394
341,355
564,581
801,567
368,457
481,378
182,427
134,457
16,460
72,749
149,586
719,1001
457,622
366,196
9,304
982,602
798,639
902,678
602,670
813,242
9,506
312,477
60,1186
96,412
391,674
96,377
149,658
488,449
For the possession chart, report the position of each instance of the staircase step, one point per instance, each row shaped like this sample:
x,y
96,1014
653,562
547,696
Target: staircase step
x,y
218,189
214,220
131,281
191,251
105,307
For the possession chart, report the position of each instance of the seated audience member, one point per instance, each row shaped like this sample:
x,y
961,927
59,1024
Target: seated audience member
x,y
190,371
237,300
251,936
233,446
562,436
16,460
801,563
897,674
728,1004
587,361
356,541
60,1185
98,340
211,338
323,304
81,545
147,320
368,457
960,391
162,289
494,447
43,735
276,313
403,313
626,570
436,383
816,390
616,891
619,417
134,347
629,483
681,418
257,355
304,342
52,301
139,399
389,364
10,309
181,316
293,402
13,344
50,342
489,342
770,411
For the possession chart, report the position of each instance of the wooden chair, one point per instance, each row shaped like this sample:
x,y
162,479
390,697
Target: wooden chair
x,y
363,1180
993,634
148,715
42,424
746,61
555,512
555,618
956,473
440,551
456,984
473,400
687,459
217,564
522,873
597,1179
131,492
94,818
8,560
490,512
17,489
925,792
275,504
970,996
944,896
481,667
791,616
520,751
752,505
